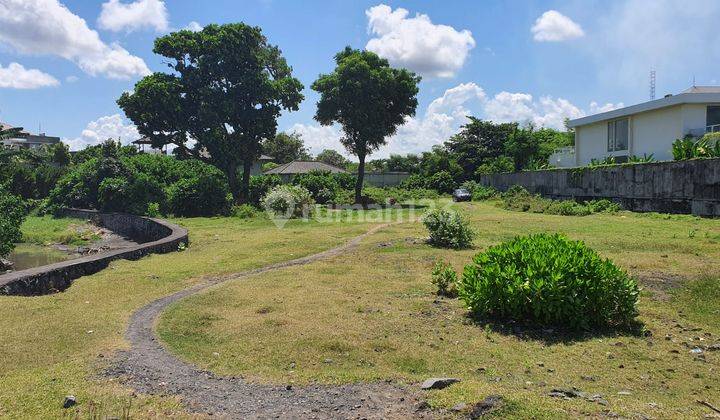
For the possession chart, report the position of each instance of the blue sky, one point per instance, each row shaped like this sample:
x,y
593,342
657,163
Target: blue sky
x,y
64,63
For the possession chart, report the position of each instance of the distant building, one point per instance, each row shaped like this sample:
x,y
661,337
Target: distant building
x,y
289,170
141,144
27,140
643,129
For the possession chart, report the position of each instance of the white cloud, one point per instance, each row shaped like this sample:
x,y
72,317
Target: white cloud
x,y
117,16
416,43
15,76
194,26
553,26
72,79
674,37
596,108
46,27
520,107
107,127
318,137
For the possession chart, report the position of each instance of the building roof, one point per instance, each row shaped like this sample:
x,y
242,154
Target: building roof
x,y
693,95
142,140
303,167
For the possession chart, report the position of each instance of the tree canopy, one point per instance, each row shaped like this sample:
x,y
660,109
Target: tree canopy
x,y
226,89
369,99
332,157
284,148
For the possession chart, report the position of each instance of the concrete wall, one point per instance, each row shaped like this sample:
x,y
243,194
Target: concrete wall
x,y
651,132
385,179
154,235
670,187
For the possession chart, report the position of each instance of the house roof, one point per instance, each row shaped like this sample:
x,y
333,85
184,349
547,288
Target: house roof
x,y
693,95
303,167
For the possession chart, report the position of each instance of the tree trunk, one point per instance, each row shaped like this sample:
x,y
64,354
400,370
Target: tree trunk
x,y
231,174
359,181
245,192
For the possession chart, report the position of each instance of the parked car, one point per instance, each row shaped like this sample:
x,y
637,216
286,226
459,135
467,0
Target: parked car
x,y
461,194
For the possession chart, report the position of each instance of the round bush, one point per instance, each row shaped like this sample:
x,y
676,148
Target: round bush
x,y
288,201
549,280
322,185
205,193
448,230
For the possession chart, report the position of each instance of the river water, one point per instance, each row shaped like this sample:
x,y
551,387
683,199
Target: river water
x,y
30,255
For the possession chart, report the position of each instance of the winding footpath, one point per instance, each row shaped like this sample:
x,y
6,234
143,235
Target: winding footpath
x,y
149,368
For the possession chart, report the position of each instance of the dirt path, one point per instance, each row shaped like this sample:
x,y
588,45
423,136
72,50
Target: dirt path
x,y
149,368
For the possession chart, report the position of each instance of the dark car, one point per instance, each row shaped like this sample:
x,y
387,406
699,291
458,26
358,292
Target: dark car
x,y
461,194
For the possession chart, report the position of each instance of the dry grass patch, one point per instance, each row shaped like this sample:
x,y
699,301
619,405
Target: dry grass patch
x,y
55,345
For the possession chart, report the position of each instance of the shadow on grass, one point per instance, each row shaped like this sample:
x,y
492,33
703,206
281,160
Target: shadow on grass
x,y
528,331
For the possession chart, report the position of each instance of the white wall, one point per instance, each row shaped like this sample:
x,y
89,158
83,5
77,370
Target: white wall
x,y
651,132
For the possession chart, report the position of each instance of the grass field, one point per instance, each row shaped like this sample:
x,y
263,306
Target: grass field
x,y
373,315
47,230
55,345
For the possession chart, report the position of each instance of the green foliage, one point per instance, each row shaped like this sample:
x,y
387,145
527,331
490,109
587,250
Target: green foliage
x,y
153,210
607,160
413,181
518,198
131,194
441,182
322,185
479,192
368,98
289,201
645,158
345,180
244,211
285,148
707,146
496,165
12,214
234,68
332,157
205,193
549,280
448,229
130,183
261,185
445,279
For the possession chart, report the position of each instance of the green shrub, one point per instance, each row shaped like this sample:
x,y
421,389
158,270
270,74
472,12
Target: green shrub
x,y
345,180
448,229
206,193
323,186
414,181
12,214
244,211
518,198
130,194
441,182
153,210
260,185
444,278
289,201
500,164
707,146
645,158
551,281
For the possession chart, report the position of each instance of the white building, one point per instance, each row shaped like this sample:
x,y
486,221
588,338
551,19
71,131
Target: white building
x,y
646,128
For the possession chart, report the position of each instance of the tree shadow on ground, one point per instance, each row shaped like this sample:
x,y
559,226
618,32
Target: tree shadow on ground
x,y
548,335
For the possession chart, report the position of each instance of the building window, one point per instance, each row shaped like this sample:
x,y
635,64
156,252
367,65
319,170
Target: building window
x,y
713,119
618,135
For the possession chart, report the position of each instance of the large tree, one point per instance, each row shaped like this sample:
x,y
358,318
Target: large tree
x,y
369,99
284,148
227,88
332,157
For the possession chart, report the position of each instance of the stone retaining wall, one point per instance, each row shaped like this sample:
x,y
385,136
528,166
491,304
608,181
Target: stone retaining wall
x,y
691,186
155,236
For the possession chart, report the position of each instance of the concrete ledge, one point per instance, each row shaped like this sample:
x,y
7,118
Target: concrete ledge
x,y
155,236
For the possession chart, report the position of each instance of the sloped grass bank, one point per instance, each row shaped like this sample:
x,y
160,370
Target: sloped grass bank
x,y
373,315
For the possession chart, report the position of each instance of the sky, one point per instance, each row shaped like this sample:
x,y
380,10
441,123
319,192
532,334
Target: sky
x,y
64,63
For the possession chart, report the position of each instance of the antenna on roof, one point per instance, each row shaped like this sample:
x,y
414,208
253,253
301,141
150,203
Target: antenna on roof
x,y
693,80
652,84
